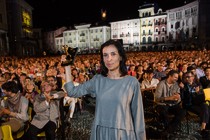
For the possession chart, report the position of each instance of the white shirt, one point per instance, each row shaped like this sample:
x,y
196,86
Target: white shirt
x,y
147,84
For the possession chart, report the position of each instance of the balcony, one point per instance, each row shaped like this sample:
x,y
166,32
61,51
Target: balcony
x,y
114,36
128,35
157,23
82,34
82,40
150,33
135,34
96,39
122,35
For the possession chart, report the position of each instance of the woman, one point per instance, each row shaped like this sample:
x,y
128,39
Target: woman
x,y
119,111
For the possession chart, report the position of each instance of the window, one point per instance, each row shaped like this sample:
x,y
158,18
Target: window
x,y
178,15
163,29
156,30
156,39
187,20
149,40
171,16
172,26
144,40
163,39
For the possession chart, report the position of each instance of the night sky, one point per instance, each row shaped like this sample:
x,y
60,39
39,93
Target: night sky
x,y
49,14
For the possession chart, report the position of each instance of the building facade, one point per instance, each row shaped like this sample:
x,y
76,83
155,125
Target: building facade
x,y
155,29
19,17
3,29
86,37
128,31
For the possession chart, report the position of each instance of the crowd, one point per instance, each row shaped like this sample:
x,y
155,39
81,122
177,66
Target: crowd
x,y
178,78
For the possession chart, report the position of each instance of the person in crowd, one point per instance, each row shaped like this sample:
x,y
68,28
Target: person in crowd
x,y
192,100
117,94
168,99
46,107
132,71
30,93
13,109
2,80
159,72
205,80
200,70
140,73
149,82
52,80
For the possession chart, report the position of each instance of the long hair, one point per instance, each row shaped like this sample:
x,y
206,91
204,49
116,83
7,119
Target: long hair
x,y
121,51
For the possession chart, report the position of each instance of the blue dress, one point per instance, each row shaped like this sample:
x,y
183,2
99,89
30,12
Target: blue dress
x,y
119,113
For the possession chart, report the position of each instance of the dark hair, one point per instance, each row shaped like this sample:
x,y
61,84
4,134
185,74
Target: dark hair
x,y
172,72
190,68
121,51
206,68
54,78
10,86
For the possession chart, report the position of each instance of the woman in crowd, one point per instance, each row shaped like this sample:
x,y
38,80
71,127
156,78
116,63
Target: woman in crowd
x,y
119,110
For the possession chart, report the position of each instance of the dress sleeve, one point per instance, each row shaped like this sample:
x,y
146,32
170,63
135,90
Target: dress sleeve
x,y
138,113
82,89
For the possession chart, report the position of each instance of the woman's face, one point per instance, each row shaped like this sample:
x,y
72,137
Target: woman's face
x,y
111,58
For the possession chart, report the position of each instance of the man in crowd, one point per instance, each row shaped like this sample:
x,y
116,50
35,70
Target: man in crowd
x,y
167,96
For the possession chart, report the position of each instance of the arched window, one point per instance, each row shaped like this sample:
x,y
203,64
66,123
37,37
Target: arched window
x,y
149,40
144,40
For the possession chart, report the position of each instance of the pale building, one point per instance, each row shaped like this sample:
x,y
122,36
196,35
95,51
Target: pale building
x,y
86,37
49,39
182,22
128,31
152,27
59,41
98,35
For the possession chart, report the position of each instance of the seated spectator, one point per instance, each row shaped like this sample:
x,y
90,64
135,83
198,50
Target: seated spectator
x,y
30,93
167,96
205,80
131,70
149,82
159,72
139,73
200,70
46,107
13,109
193,100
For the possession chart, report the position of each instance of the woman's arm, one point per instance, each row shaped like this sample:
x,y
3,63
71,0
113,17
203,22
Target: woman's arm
x,y
138,113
